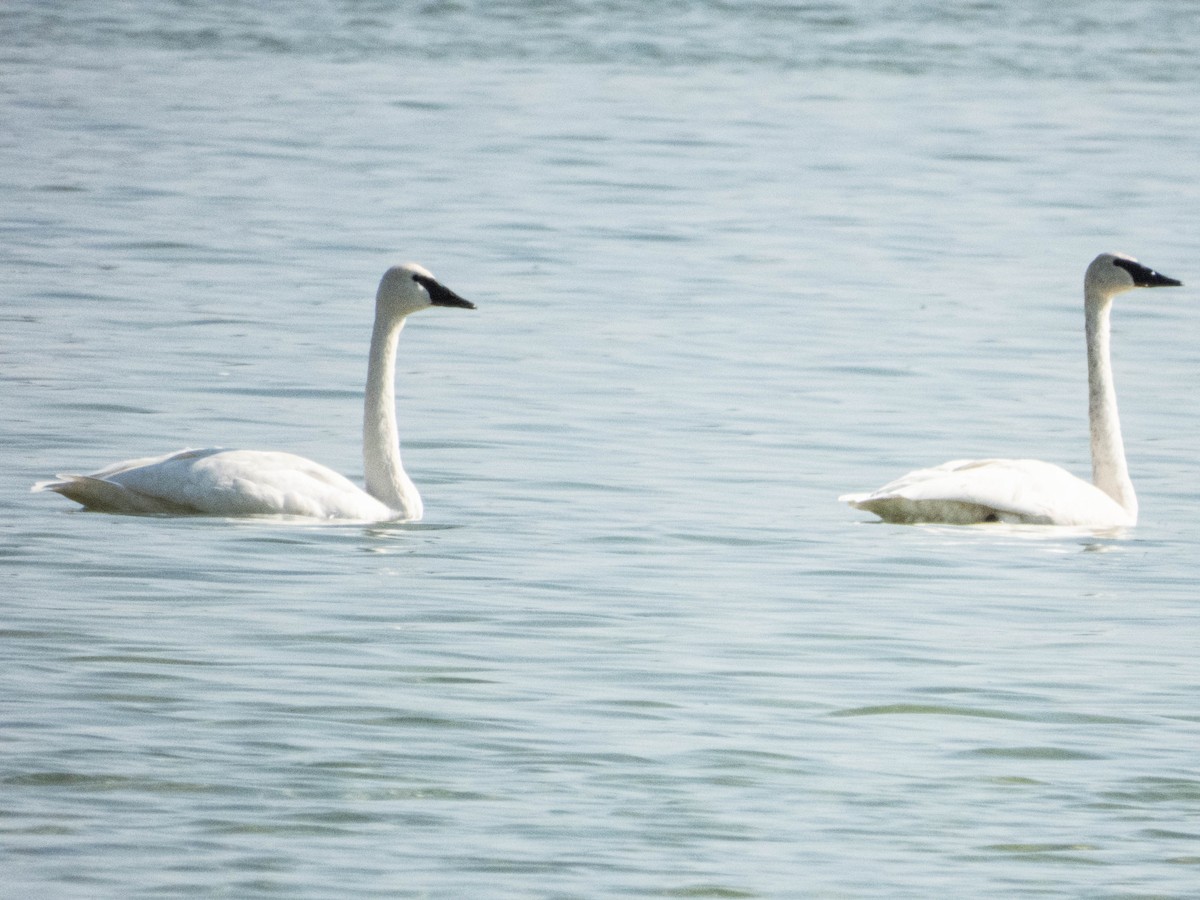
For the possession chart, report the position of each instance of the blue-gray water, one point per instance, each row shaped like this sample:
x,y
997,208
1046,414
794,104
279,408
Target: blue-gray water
x,y
731,260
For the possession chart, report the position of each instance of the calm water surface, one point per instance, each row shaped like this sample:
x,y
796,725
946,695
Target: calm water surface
x,y
731,260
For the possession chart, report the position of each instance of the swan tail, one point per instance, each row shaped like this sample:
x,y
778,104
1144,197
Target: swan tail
x,y
49,484
106,496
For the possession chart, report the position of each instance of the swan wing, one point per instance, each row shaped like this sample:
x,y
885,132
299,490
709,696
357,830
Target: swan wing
x,y
123,466
102,490
964,492
222,482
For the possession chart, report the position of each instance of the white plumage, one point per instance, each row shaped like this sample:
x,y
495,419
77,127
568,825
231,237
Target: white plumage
x,y
970,491
220,482
1028,491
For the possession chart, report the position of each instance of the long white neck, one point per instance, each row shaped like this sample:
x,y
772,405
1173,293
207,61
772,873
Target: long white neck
x,y
385,476
1109,470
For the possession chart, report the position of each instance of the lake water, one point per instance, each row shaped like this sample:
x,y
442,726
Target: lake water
x,y
730,260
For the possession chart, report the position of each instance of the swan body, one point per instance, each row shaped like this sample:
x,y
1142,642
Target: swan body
x,y
221,482
1028,491
970,491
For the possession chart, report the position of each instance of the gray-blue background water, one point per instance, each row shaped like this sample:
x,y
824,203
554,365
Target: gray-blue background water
x,y
731,260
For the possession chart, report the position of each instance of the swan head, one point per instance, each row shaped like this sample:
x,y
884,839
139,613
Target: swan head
x,y
1111,273
407,288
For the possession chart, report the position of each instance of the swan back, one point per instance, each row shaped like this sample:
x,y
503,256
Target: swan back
x,y
974,491
220,482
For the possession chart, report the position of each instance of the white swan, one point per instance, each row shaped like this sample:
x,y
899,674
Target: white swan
x,y
1027,491
220,482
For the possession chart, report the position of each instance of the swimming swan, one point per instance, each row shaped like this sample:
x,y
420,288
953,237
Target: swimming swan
x,y
1027,491
220,482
